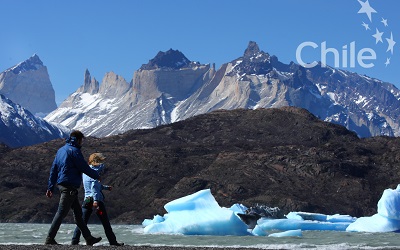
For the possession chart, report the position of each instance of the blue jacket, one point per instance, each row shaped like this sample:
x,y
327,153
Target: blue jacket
x,y
68,166
93,187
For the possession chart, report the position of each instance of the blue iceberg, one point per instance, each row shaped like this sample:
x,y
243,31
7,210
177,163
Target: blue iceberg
x,y
200,214
197,214
386,220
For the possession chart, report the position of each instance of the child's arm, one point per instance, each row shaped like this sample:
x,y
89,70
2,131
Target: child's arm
x,y
106,187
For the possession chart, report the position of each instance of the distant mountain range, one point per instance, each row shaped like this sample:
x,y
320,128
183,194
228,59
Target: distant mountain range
x,y
170,88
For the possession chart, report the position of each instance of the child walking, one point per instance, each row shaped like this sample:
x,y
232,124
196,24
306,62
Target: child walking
x,y
94,201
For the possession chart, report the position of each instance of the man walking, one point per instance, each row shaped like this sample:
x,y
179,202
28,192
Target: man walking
x,y
66,173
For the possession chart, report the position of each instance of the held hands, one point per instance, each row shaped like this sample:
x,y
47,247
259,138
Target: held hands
x,y
97,208
49,194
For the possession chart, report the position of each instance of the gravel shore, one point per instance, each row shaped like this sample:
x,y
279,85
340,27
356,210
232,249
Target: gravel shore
x,y
127,247
83,247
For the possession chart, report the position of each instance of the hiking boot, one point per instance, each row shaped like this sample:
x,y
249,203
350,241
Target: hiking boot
x,y
92,240
74,242
118,244
50,241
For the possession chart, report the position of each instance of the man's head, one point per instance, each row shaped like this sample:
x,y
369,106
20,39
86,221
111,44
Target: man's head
x,y
78,135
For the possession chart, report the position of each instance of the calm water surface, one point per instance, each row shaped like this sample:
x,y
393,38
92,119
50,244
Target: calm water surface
x,y
25,234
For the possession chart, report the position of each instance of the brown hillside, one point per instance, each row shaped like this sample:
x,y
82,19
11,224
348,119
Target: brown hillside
x,y
279,157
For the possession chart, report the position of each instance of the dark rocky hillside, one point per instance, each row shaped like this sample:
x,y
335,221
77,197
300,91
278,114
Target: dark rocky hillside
x,y
279,157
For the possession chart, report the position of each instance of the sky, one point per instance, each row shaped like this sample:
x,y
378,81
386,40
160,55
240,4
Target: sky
x,y
71,36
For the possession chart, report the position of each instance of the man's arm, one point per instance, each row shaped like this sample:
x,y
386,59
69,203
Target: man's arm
x,y
106,187
53,176
82,165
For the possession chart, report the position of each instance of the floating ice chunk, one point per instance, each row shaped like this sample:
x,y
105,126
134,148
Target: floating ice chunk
x,y
258,231
200,222
200,200
306,216
289,233
238,208
320,217
389,204
340,218
294,224
386,220
374,224
198,214
294,216
156,219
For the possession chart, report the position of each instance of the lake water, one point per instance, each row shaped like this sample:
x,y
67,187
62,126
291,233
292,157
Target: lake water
x,y
25,234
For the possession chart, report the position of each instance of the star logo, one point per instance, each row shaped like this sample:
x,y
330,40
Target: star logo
x,y
378,36
384,21
367,9
391,43
387,61
366,26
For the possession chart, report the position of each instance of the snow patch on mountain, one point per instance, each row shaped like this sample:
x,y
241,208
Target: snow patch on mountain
x,y
19,127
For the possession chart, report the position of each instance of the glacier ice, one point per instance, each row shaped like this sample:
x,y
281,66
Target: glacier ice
x,y
200,214
386,220
289,233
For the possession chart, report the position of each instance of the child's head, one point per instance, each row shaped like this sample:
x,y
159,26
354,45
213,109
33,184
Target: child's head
x,y
96,159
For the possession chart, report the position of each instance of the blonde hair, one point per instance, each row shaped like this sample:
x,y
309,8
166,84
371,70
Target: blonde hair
x,y
96,159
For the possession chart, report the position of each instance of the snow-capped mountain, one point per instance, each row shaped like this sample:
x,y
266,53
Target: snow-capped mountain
x,y
28,84
19,127
171,88
257,80
117,106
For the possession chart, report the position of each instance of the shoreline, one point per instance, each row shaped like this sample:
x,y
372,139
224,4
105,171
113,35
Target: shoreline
x,y
125,247
128,247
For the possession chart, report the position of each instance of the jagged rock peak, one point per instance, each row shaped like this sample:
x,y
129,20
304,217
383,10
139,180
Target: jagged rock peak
x,y
87,78
252,49
90,85
113,85
173,59
254,61
32,63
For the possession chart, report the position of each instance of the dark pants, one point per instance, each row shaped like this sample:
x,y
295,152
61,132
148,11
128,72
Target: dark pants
x,y
68,200
102,214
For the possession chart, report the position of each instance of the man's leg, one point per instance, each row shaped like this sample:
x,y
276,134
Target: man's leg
x,y
77,233
64,206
